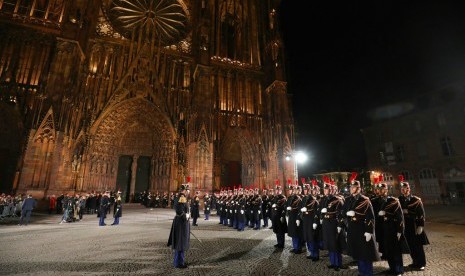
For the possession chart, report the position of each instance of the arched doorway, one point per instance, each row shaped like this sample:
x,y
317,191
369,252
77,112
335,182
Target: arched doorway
x,y
231,171
136,138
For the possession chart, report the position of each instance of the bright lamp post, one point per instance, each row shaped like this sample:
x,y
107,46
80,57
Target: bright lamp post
x,y
299,157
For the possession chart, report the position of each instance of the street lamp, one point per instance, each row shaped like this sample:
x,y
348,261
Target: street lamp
x,y
299,157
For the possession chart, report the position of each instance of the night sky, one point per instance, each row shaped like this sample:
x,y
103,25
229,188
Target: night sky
x,y
361,55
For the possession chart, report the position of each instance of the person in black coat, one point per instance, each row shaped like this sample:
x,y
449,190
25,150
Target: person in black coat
x,y
330,214
103,206
117,210
279,217
310,220
179,238
195,206
207,205
392,223
361,239
414,217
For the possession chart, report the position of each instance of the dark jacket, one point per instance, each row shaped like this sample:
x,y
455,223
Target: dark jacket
x,y
179,238
28,204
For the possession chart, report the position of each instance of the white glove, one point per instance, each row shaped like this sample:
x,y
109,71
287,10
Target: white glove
x,y
242,212
350,213
398,236
230,211
419,230
226,210
208,208
282,220
304,209
259,212
288,208
235,211
273,206
297,222
321,221
367,236
381,213
339,229
188,215
314,226
405,211
324,210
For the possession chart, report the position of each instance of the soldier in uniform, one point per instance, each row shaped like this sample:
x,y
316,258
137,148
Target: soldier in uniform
x,y
376,201
294,227
392,223
179,238
309,213
330,213
195,205
361,241
264,207
256,209
241,201
279,217
207,202
414,217
118,209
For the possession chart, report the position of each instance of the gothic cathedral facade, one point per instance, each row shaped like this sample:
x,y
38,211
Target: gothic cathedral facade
x,y
139,95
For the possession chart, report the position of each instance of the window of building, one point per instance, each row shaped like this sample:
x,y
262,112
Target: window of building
x,y
387,177
446,146
407,175
427,174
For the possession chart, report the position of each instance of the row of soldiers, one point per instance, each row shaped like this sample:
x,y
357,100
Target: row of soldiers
x,y
367,229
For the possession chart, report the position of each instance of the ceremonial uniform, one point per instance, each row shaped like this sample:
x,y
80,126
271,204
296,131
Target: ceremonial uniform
x,y
195,205
256,210
414,217
310,220
393,239
361,242
118,211
279,218
207,201
330,214
294,227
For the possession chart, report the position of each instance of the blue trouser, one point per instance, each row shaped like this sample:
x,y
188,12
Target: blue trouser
x,y
27,214
257,224
335,258
281,238
206,216
396,264
178,258
265,221
313,249
116,221
365,268
241,226
101,221
296,244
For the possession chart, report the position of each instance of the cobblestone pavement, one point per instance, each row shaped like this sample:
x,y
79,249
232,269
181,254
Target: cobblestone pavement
x,y
138,246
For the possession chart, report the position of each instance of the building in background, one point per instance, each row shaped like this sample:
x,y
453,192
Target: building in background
x,y
138,95
422,139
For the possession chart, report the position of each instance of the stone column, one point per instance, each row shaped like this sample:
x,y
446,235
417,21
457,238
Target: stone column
x,y
133,178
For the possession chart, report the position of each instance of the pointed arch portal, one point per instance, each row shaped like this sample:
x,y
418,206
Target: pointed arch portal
x,y
132,149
